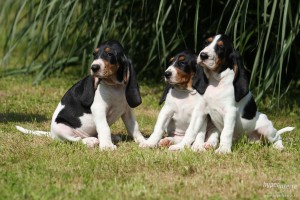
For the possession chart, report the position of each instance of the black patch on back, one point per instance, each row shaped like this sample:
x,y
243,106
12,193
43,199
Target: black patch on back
x,y
74,107
250,109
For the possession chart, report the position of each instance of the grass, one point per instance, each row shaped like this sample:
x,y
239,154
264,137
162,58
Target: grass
x,y
40,168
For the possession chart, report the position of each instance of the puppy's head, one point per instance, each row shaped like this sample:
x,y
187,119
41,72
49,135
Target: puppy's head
x,y
181,70
216,54
112,65
219,55
110,61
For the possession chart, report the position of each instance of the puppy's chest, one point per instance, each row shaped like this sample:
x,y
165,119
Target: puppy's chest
x,y
110,100
184,106
217,98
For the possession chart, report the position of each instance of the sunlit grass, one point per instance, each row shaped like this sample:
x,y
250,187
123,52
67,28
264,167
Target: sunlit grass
x,y
40,168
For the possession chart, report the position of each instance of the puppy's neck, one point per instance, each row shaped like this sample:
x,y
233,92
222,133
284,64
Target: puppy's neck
x,y
112,81
214,77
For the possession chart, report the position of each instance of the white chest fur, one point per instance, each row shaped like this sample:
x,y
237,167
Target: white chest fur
x,y
110,100
182,102
218,96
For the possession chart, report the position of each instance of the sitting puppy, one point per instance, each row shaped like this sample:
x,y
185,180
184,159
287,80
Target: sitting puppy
x,y
90,106
181,99
227,100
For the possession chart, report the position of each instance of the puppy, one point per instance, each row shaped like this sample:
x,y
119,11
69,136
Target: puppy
x,y
181,98
227,100
90,106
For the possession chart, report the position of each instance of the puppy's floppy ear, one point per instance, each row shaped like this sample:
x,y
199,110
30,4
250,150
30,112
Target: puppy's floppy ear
x,y
88,93
241,79
123,68
164,95
133,95
200,81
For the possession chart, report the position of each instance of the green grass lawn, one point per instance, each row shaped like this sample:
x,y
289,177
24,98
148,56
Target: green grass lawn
x,y
34,167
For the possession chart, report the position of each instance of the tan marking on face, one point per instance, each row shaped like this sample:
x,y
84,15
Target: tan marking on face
x,y
210,39
235,69
218,64
109,69
183,78
96,51
220,43
181,58
171,59
107,49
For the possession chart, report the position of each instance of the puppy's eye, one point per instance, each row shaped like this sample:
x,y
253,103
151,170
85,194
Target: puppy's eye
x,y
109,54
181,63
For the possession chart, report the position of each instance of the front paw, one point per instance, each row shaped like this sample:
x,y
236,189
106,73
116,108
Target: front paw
x,y
198,147
107,146
140,140
166,142
177,147
148,144
223,150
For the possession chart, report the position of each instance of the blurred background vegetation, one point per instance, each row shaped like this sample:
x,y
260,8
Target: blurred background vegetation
x,y
45,37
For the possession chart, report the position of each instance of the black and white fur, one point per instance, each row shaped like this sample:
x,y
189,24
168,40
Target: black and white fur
x,y
94,103
227,100
180,100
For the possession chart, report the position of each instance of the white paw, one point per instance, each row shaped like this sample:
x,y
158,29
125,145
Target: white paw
x,y
278,145
176,147
223,150
139,140
107,146
148,144
198,147
90,142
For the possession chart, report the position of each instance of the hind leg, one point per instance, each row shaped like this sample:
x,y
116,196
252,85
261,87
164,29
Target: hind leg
x,y
265,128
63,132
254,137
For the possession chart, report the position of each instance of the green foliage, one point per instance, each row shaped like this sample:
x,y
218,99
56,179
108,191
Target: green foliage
x,y
46,36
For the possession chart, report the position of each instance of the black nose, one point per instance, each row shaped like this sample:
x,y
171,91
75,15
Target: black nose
x,y
168,74
95,68
203,56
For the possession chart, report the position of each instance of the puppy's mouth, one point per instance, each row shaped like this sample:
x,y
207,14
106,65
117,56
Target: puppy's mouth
x,y
171,82
101,75
206,65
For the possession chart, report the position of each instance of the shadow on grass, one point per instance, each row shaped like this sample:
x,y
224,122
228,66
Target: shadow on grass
x,y
21,117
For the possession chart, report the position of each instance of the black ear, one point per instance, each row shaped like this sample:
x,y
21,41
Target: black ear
x,y
123,67
164,95
200,81
88,94
133,95
241,79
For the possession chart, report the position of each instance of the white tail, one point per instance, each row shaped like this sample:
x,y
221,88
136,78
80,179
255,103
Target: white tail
x,y
47,134
286,129
39,133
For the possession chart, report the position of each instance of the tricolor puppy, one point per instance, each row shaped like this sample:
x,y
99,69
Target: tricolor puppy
x,y
227,100
90,106
180,99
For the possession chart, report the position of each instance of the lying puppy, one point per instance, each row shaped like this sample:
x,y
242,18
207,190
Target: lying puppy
x,y
181,99
227,100
90,106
